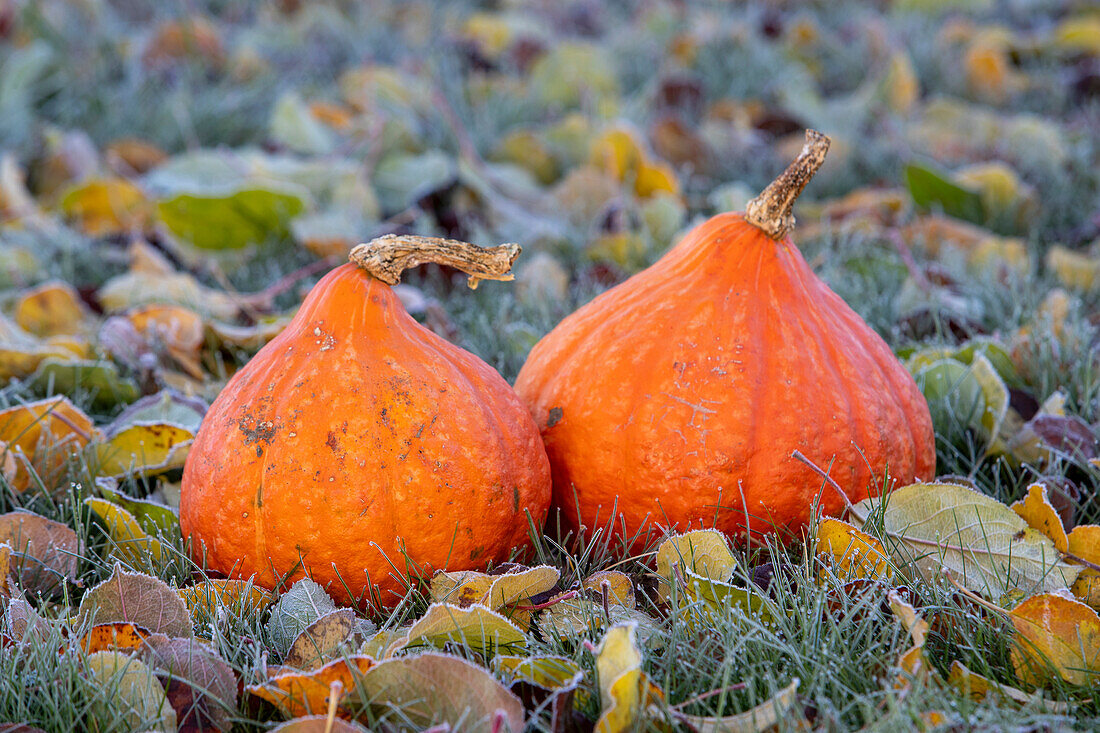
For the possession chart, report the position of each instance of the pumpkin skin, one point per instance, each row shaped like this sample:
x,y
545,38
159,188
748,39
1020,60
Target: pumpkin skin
x,y
358,432
678,397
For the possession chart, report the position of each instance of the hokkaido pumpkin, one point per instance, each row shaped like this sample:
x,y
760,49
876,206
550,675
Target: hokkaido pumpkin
x,y
677,398
360,448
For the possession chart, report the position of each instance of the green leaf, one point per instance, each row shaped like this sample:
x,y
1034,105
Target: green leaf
x,y
133,697
933,190
99,379
250,215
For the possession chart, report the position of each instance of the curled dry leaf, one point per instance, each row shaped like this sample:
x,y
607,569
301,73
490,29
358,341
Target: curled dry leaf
x,y
851,553
144,449
138,599
912,662
45,553
986,545
321,640
128,540
305,693
1037,511
432,688
494,591
1056,635
625,690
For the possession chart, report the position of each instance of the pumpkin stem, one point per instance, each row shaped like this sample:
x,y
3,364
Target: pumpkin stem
x,y
387,257
771,210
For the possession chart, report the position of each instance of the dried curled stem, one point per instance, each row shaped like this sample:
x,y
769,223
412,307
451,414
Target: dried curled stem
x,y
387,257
771,210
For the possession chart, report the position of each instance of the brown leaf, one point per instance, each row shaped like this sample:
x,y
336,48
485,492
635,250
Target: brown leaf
x,y
138,599
318,724
201,686
321,640
45,553
434,688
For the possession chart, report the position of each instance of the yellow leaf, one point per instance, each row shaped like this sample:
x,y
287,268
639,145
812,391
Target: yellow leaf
x,y
1075,270
1079,34
912,662
476,626
107,206
1084,543
620,589
978,687
230,593
43,434
136,701
1056,635
625,690
144,449
130,541
51,309
654,177
5,570
1036,510
703,552
618,153
852,553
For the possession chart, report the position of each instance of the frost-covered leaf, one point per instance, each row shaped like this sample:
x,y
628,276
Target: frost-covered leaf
x,y
476,626
138,599
431,688
132,695
294,612
1056,636
200,685
783,705
321,640
1037,511
986,545
129,540
851,553
298,693
45,553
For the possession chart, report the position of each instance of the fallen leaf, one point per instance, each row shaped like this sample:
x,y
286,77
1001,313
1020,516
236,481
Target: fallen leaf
x,y
851,553
5,571
137,288
143,449
138,599
204,598
129,540
107,206
200,685
153,517
45,553
625,690
100,380
931,189
913,663
318,724
51,309
466,588
43,434
132,695
321,640
782,706
294,612
1084,543
986,545
113,637
476,626
431,688
1036,510
304,693
704,552
616,586
1056,636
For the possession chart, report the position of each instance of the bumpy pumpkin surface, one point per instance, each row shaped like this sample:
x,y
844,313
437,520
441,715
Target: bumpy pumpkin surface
x,y
678,397
358,435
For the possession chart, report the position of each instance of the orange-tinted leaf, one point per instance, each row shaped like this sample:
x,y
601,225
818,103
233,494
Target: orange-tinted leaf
x,y
50,309
46,553
107,206
1084,543
1057,635
44,434
1036,510
113,637
305,693
979,687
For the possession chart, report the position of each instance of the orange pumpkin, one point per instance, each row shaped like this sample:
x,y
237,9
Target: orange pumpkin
x,y
361,448
678,397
